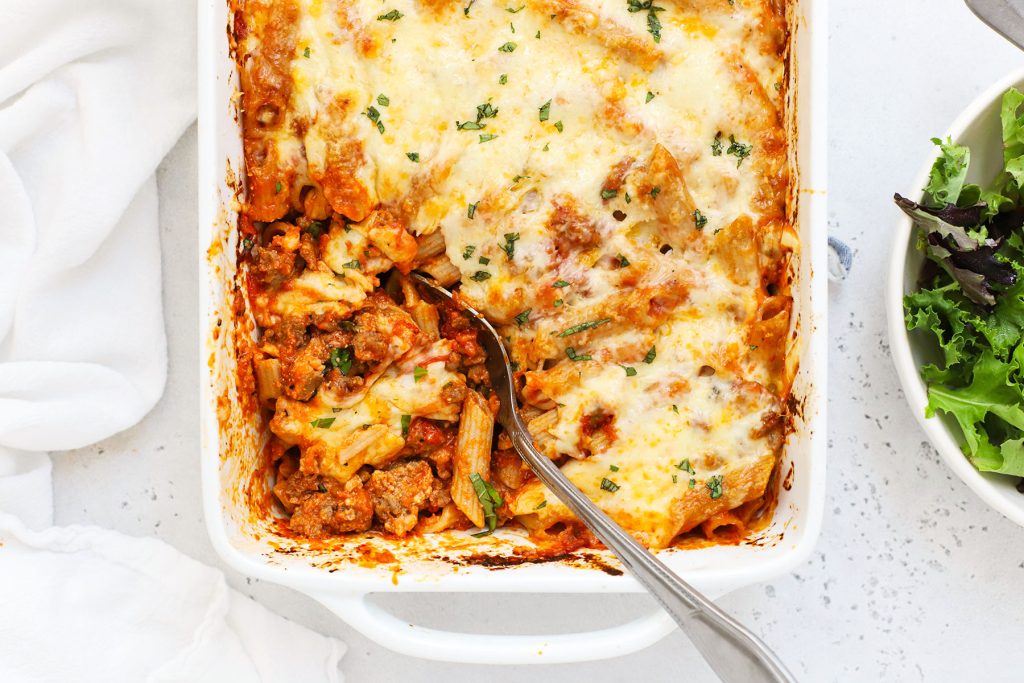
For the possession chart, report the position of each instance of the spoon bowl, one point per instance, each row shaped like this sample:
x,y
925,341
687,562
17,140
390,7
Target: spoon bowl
x,y
734,653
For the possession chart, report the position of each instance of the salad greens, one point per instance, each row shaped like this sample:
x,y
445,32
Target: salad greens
x,y
971,297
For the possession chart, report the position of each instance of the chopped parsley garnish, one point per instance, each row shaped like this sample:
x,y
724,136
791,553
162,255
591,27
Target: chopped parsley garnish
x,y
558,126
622,261
650,96
507,47
341,359
487,137
547,146
374,115
383,100
510,244
739,150
353,264
468,251
655,191
315,228
583,327
393,15
418,373
517,178
573,356
306,53
630,372
685,466
699,219
465,10
560,283
514,11
470,125
651,355
693,483
485,111
277,187
627,197
653,23
609,485
523,317
613,468
714,485
545,111
483,260
247,244
675,409
490,499
609,194
323,422
558,303
413,156
675,479
503,79
406,420
480,276
321,488
541,505
716,145
471,210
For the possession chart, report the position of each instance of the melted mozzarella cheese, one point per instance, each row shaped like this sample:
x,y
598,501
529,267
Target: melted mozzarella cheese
x,y
480,122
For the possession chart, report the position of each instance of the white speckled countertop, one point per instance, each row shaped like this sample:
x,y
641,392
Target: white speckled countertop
x,y
914,579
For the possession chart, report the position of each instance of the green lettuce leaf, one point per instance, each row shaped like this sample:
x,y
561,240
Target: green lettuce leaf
x,y
972,296
1006,458
949,173
942,312
994,391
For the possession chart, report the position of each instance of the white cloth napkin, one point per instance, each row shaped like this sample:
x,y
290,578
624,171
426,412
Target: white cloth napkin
x,y
92,96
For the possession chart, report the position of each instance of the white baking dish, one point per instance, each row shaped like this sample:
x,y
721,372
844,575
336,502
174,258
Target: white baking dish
x,y
341,576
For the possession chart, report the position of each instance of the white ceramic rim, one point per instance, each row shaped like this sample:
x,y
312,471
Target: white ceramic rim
x,y
914,389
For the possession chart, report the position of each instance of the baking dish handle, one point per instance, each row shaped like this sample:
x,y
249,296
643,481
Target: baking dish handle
x,y
469,648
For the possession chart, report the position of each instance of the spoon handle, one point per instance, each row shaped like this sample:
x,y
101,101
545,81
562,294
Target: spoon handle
x,y
735,654
1005,17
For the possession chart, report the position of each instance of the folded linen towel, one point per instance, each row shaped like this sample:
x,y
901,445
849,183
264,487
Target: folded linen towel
x,y
92,97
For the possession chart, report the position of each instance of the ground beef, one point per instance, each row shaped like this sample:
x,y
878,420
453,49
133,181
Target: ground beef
x,y
287,336
453,393
370,345
271,266
383,330
441,458
399,492
457,327
427,435
303,369
571,229
308,250
323,507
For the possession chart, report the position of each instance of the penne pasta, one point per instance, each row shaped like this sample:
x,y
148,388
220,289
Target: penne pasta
x,y
472,456
626,233
268,379
447,518
429,246
442,270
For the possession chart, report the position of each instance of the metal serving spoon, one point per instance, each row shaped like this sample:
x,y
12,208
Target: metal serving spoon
x,y
733,652
1005,17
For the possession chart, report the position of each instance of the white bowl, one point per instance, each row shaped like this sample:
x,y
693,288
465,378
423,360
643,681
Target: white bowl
x,y
978,127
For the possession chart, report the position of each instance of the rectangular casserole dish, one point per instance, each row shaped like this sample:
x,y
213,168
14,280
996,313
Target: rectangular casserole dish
x,y
343,573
